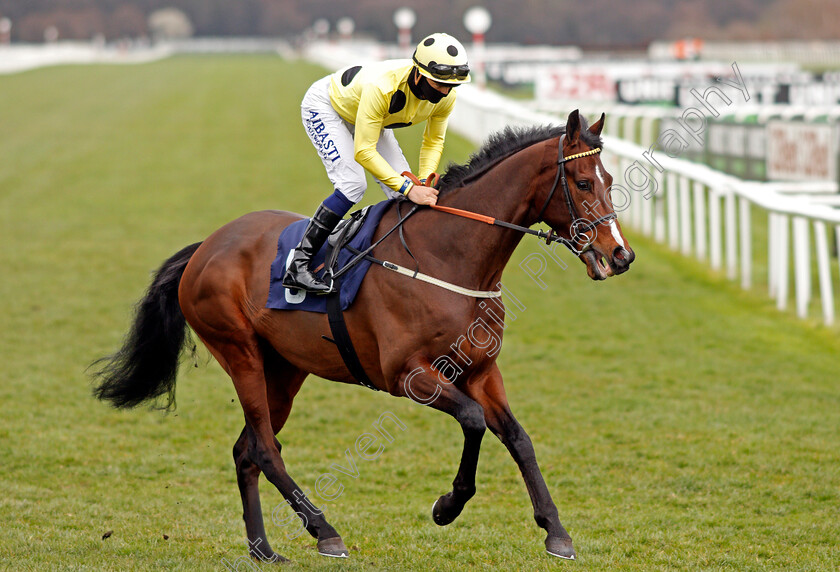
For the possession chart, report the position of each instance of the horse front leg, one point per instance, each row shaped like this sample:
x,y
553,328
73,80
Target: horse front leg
x,y
490,394
427,390
447,508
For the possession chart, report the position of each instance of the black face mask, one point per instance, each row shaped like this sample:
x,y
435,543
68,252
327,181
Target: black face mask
x,y
422,89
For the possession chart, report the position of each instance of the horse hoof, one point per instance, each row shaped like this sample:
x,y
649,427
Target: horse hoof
x,y
441,514
438,516
560,547
333,547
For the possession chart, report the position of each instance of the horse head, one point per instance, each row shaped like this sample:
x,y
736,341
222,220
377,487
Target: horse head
x,y
578,206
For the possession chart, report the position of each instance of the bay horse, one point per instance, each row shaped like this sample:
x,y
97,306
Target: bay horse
x,y
399,325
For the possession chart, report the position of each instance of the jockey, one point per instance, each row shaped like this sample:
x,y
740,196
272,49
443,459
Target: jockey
x,y
349,116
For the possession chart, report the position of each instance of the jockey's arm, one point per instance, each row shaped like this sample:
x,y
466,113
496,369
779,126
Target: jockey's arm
x,y
373,106
434,136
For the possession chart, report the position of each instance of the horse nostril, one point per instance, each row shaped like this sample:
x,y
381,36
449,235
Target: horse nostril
x,y
622,258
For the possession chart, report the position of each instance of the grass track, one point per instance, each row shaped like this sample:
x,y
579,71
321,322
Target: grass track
x,y
680,423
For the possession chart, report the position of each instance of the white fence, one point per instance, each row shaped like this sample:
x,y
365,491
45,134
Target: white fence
x,y
694,209
21,57
687,206
698,211
626,118
803,52
16,58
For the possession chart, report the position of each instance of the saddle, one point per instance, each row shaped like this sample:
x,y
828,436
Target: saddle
x,y
344,260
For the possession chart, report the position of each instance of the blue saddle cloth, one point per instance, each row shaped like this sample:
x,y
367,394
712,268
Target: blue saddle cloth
x,y
280,298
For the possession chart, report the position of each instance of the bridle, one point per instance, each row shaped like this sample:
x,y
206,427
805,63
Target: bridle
x,y
580,227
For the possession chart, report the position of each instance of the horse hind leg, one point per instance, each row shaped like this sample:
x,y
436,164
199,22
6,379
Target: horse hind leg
x,y
282,383
247,477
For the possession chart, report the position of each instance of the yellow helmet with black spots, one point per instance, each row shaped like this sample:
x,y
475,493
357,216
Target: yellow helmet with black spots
x,y
442,58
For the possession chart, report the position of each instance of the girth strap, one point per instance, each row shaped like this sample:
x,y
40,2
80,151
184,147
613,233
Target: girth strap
x,y
341,337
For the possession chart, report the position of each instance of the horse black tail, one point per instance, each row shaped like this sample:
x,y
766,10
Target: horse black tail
x,y
147,364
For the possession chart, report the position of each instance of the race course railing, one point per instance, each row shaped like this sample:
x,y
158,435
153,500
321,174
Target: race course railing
x,y
698,211
693,209
689,207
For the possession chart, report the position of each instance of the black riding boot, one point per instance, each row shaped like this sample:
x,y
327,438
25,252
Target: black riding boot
x,y
298,275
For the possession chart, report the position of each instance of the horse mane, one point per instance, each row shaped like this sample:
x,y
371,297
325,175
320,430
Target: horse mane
x,y
501,145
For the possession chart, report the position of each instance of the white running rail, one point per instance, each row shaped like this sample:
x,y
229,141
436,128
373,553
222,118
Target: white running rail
x,y
699,211
695,210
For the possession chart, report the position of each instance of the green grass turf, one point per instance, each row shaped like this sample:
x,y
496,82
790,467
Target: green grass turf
x,y
680,423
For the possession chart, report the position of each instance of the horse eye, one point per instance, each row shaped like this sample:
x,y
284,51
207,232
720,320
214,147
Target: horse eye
x,y
583,185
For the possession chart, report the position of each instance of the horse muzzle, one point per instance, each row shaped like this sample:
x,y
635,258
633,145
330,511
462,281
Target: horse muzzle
x,y
600,267
621,260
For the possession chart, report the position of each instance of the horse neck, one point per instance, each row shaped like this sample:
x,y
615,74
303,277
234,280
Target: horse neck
x,y
478,251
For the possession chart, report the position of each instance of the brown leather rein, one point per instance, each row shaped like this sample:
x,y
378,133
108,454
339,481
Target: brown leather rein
x,y
579,226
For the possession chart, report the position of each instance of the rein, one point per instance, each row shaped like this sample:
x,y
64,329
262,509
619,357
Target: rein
x,y
579,226
360,255
548,236
415,274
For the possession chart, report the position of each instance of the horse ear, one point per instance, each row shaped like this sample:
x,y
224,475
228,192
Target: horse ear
x,y
598,126
573,127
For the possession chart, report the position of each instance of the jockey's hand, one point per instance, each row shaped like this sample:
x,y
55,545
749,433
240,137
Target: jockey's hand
x,y
423,195
423,191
